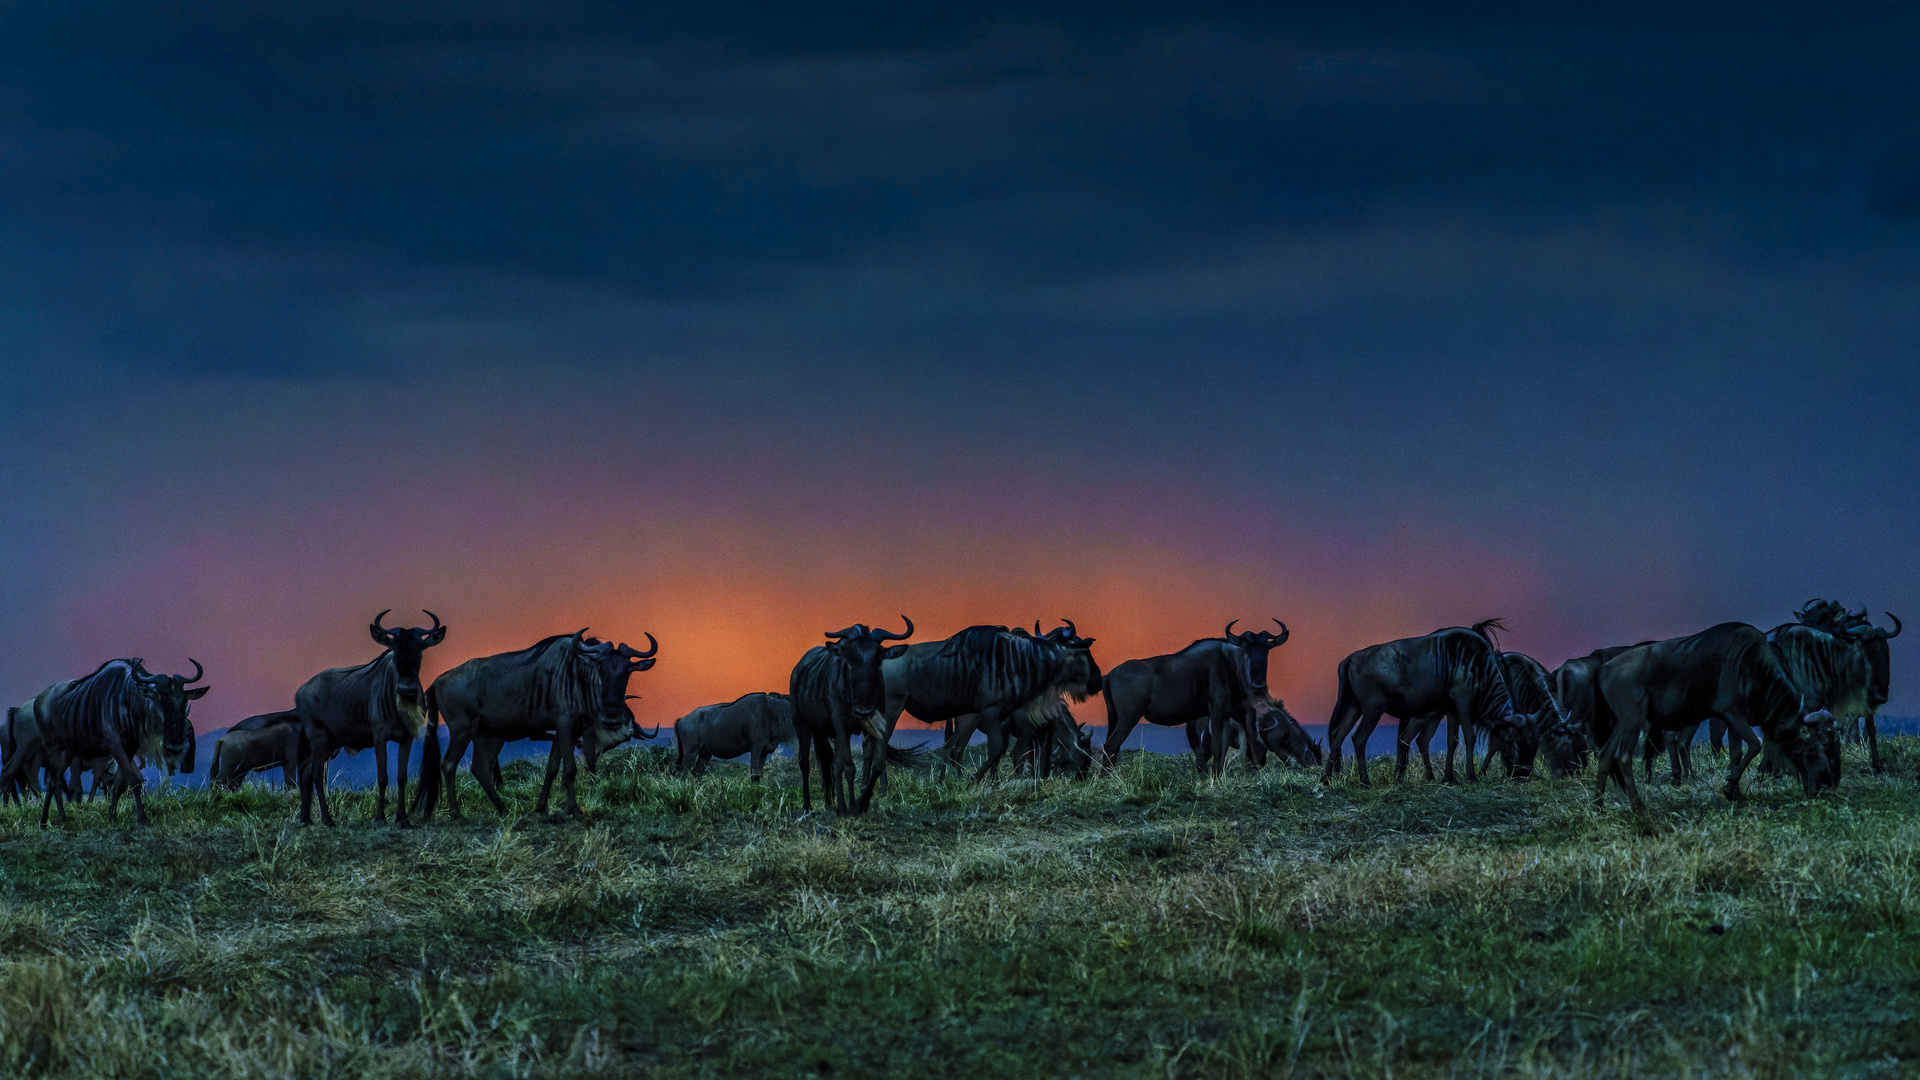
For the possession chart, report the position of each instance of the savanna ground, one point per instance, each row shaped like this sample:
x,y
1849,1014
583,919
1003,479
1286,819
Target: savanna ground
x,y
1144,924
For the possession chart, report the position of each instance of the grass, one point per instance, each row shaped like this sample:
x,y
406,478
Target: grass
x,y
1143,924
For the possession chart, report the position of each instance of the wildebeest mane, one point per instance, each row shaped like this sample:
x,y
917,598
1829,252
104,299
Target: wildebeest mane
x,y
1010,667
564,688
78,719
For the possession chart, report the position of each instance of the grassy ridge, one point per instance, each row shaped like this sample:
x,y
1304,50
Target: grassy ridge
x,y
1144,924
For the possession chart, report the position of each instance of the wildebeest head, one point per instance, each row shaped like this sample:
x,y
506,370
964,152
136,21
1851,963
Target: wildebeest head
x,y
606,667
1282,734
1814,752
407,645
1257,644
1081,677
861,649
170,697
1873,642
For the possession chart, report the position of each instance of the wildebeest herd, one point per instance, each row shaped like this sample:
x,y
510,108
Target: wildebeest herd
x,y
1787,695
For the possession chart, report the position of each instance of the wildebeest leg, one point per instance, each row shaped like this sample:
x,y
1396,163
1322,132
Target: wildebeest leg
x,y
1738,726
1119,726
700,761
1873,744
756,761
1425,735
459,737
1361,733
313,778
380,780
1198,744
843,767
401,756
803,753
996,743
1616,757
562,744
959,733
486,771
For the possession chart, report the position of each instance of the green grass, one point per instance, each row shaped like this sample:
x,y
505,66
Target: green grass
x,y
1144,924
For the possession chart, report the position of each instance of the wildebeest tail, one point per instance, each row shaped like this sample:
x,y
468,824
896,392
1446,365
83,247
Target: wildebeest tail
x,y
213,766
430,780
1342,702
909,756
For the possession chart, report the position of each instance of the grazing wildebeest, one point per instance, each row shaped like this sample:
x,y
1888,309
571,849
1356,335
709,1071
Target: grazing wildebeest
x,y
837,692
1212,682
366,707
997,679
267,741
1280,734
1831,670
1835,619
1542,723
753,724
1730,671
568,688
119,711
1455,671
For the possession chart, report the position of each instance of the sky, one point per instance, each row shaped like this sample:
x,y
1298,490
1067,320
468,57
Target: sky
x,y
737,324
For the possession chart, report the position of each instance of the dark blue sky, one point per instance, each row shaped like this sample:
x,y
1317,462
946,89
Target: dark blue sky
x,y
687,315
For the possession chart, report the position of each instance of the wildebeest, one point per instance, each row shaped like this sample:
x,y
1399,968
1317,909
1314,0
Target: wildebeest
x,y
1730,671
1279,733
569,688
989,676
1542,722
120,711
267,741
753,724
22,758
1213,682
1835,619
837,692
1455,671
366,707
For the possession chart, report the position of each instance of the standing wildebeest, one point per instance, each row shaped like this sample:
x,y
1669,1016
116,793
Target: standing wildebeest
x,y
364,707
837,692
1455,671
119,711
569,688
753,724
996,678
1212,682
1730,671
267,741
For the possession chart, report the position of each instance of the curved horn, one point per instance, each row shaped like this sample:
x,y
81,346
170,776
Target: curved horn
x,y
198,672
1228,632
630,653
1072,631
852,631
644,733
1896,624
1036,629
1283,633
377,618
888,635
435,618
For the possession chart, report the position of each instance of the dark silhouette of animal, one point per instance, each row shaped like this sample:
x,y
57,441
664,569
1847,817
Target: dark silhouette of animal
x,y
366,707
1730,671
568,688
1542,723
1280,734
995,679
838,692
1456,671
267,741
754,724
1833,618
1212,682
120,711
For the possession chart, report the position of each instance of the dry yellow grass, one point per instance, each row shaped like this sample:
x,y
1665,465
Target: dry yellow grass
x,y
1144,924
